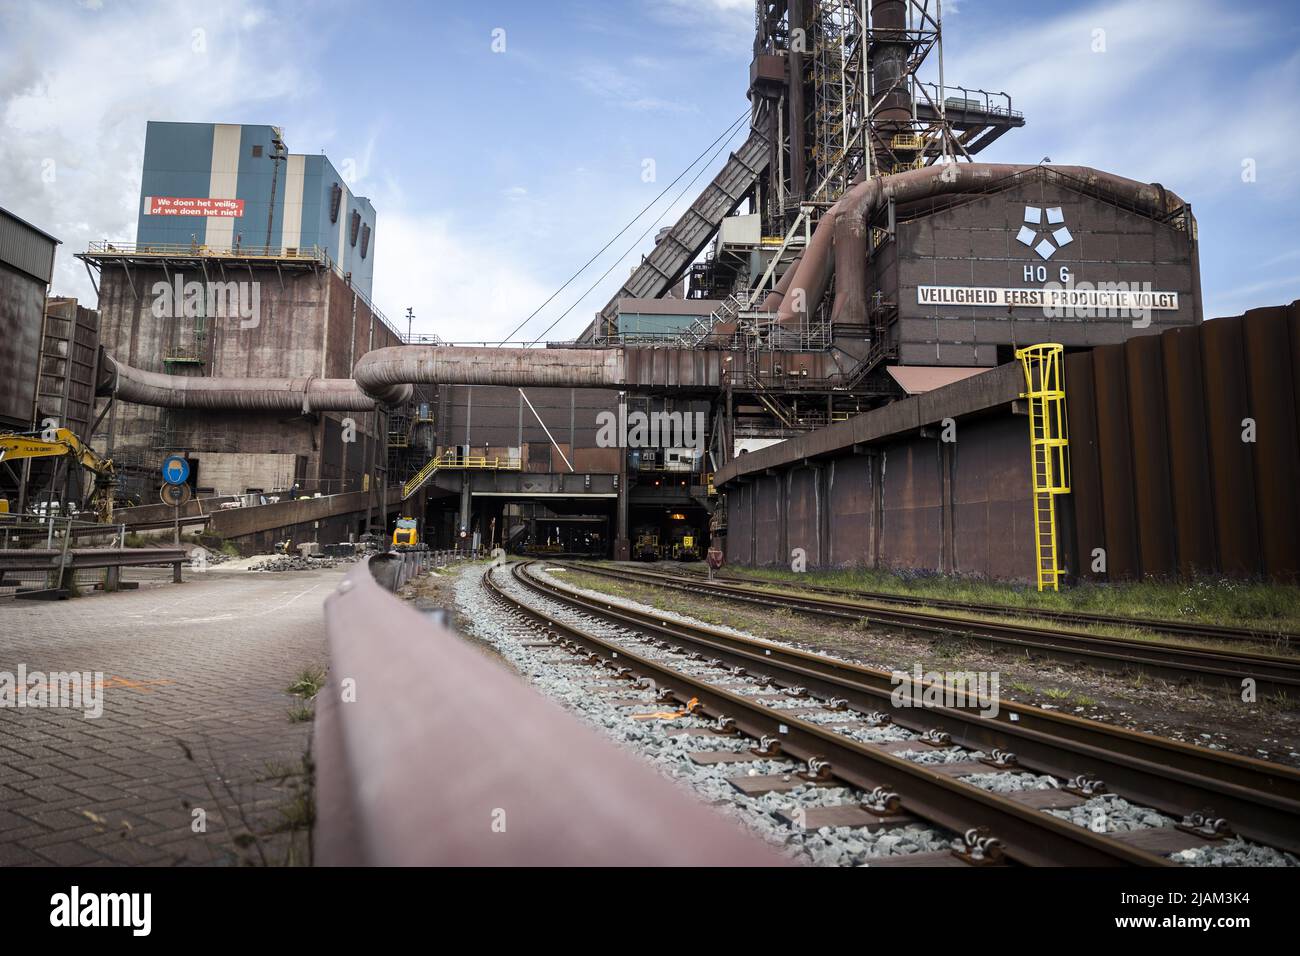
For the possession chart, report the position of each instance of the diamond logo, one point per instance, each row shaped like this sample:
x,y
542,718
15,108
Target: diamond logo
x,y
1030,236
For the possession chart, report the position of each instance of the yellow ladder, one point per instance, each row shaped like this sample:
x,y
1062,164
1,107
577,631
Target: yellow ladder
x,y
1049,442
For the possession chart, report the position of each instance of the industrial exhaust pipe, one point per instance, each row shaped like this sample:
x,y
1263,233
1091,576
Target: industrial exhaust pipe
x,y
276,395
382,370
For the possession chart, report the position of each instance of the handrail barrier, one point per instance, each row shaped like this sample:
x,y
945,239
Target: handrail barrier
x,y
429,753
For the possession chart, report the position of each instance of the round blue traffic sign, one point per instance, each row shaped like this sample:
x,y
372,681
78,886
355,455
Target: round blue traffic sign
x,y
175,470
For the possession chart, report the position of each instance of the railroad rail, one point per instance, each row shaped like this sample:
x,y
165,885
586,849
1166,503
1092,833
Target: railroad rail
x,y
1192,629
445,758
1260,800
1230,669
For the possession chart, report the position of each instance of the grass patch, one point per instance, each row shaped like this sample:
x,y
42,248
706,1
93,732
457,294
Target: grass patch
x,y
300,713
1056,693
1264,606
308,682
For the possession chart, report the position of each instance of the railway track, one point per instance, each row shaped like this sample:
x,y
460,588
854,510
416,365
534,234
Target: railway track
x,y
822,711
1185,629
1271,674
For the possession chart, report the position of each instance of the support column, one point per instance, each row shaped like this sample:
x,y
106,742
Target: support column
x,y
463,516
622,546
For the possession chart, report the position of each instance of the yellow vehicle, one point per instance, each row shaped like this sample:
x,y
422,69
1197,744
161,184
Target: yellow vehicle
x,y
15,446
405,534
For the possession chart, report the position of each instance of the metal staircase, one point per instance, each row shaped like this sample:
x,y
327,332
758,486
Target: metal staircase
x,y
450,460
1049,447
420,478
671,256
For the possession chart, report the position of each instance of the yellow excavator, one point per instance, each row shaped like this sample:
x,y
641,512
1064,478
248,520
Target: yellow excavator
x,y
15,446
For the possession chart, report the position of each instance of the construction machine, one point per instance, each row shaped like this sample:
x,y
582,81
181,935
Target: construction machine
x,y
15,446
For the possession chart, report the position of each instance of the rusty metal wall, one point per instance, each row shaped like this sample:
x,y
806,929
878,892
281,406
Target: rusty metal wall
x,y
768,520
1165,477
22,307
803,512
911,523
850,502
990,510
962,506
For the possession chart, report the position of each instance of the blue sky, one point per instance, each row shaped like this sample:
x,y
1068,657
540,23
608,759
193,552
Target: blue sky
x,y
496,174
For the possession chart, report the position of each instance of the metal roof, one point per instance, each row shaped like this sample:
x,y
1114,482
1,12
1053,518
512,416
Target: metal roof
x,y
26,248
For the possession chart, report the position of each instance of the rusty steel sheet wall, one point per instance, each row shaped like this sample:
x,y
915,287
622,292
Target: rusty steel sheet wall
x,y
769,520
803,512
991,504
1165,480
850,501
911,525
883,490
913,503
22,307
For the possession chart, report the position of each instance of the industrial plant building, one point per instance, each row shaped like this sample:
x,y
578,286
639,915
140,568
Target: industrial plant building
x,y
852,270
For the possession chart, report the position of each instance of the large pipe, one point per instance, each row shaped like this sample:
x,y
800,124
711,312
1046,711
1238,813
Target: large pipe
x,y
282,395
773,298
839,243
383,369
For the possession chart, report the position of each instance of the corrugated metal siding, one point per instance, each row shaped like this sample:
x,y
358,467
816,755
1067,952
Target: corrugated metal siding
x,y
1176,486
26,248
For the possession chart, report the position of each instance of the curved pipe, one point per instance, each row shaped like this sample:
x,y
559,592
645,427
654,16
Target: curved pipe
x,y
398,365
773,298
839,243
283,395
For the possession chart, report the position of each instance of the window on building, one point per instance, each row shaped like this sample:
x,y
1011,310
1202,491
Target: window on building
x,y
257,152
365,240
336,197
355,228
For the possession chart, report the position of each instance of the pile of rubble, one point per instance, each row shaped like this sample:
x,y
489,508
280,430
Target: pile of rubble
x,y
292,562
311,557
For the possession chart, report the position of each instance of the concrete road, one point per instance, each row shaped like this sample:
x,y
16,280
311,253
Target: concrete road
x,y
194,758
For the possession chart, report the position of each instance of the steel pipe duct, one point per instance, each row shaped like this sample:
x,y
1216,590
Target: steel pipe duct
x,y
283,395
384,369
839,243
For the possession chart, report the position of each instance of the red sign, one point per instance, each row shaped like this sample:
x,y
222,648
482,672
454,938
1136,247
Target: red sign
x,y
195,206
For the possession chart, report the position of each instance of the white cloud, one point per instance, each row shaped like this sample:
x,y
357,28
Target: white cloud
x,y
724,26
626,90
74,123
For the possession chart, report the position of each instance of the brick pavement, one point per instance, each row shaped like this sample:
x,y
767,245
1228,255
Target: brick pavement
x,y
201,666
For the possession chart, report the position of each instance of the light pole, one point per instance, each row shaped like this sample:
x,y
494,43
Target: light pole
x,y
410,319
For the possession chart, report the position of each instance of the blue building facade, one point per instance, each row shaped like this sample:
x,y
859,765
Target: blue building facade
x,y
227,186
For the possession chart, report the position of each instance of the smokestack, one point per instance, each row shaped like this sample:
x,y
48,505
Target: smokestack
x,y
890,48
